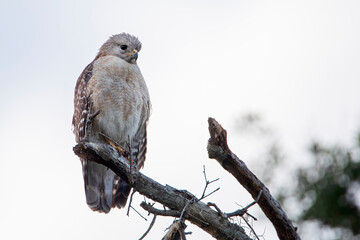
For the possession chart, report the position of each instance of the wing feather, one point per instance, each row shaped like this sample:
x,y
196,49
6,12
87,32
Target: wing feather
x,y
82,103
139,142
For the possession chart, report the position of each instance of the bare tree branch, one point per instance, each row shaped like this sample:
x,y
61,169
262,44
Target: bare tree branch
x,y
168,213
130,201
183,204
138,213
218,149
239,212
242,211
221,213
197,212
176,231
207,183
251,228
148,230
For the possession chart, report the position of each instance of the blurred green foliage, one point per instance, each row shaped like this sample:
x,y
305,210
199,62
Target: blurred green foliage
x,y
330,187
327,191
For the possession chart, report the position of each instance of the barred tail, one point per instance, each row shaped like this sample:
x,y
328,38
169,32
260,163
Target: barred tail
x,y
103,189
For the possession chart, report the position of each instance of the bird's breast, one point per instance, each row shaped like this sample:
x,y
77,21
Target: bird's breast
x,y
119,93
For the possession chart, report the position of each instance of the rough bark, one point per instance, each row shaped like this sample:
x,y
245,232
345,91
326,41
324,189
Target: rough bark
x,y
218,149
197,212
176,231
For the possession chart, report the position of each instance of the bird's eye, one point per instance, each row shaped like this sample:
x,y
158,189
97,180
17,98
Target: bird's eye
x,y
123,47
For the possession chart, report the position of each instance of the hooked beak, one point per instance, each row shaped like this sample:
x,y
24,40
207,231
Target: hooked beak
x,y
133,54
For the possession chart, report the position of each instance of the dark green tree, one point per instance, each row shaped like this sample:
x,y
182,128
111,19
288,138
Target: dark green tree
x,y
332,186
327,191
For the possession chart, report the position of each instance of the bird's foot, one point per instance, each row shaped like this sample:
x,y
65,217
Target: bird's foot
x,y
119,149
122,152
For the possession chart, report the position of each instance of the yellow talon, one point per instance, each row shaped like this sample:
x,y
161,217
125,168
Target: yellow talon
x,y
120,150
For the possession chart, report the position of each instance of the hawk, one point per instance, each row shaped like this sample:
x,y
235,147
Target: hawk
x,y
111,91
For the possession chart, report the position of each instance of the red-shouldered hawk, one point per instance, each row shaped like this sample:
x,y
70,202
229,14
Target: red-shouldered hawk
x,y
112,90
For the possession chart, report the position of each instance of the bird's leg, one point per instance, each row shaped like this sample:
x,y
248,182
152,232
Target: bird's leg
x,y
120,150
115,145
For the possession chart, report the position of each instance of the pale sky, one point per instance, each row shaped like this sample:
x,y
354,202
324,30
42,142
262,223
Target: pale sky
x,y
294,62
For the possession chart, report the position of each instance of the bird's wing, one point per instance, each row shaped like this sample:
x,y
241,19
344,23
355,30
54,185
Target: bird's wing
x,y
82,103
139,142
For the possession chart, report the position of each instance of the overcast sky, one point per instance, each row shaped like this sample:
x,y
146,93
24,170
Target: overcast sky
x,y
294,62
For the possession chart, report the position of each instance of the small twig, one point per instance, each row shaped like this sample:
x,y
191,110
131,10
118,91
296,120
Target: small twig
x,y
262,235
250,227
182,233
138,213
239,212
213,180
130,201
258,197
251,216
168,213
210,193
242,211
171,213
149,228
207,183
210,204
176,231
183,211
204,172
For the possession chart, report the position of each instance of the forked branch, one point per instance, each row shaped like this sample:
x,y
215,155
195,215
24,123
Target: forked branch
x,y
183,204
197,212
218,149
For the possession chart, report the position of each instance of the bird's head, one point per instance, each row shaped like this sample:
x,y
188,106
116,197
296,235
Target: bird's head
x,y
122,45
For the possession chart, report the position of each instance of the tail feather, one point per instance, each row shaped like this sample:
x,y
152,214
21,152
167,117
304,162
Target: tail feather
x,y
121,194
99,185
